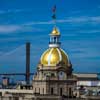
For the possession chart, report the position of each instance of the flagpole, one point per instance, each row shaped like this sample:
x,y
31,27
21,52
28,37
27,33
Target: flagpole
x,y
54,15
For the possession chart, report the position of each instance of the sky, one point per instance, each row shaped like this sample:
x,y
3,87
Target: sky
x,y
24,21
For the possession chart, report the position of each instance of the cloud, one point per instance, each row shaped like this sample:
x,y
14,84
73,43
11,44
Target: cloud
x,y
18,50
70,20
73,20
81,19
89,31
9,28
17,28
13,11
39,23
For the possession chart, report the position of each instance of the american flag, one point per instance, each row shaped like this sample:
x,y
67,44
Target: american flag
x,y
54,9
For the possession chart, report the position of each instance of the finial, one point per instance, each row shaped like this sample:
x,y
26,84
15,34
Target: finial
x,y
54,14
55,32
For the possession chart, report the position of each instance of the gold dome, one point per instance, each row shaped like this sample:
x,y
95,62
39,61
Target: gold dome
x,y
53,56
55,31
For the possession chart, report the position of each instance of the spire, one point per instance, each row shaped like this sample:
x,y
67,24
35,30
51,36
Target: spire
x,y
55,34
55,31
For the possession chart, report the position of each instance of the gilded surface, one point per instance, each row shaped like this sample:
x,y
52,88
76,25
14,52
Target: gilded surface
x,y
53,56
55,32
45,56
54,59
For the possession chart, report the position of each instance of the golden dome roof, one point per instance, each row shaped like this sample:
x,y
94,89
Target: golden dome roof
x,y
55,31
53,56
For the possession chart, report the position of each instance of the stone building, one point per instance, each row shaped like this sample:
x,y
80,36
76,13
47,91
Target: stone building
x,y
54,72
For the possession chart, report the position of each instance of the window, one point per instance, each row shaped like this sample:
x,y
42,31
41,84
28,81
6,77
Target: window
x,y
35,90
61,91
52,75
70,91
52,91
43,90
54,39
39,90
15,98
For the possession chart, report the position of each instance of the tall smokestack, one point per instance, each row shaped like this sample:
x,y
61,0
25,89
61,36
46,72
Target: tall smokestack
x,y
27,62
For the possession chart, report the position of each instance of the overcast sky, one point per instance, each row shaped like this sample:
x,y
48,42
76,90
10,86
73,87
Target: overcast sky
x,y
30,20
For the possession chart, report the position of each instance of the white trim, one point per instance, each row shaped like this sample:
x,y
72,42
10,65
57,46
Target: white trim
x,y
59,54
49,58
54,45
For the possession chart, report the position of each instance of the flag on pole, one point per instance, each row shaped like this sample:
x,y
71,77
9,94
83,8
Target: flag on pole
x,y
54,12
54,9
54,16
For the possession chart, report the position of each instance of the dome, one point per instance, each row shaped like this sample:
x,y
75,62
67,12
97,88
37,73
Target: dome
x,y
53,56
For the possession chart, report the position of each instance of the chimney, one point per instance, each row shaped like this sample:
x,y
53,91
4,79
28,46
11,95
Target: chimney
x,y
27,62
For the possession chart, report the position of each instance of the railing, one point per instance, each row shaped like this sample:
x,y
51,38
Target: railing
x,y
54,42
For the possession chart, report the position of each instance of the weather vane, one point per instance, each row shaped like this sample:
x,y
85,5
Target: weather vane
x,y
54,14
